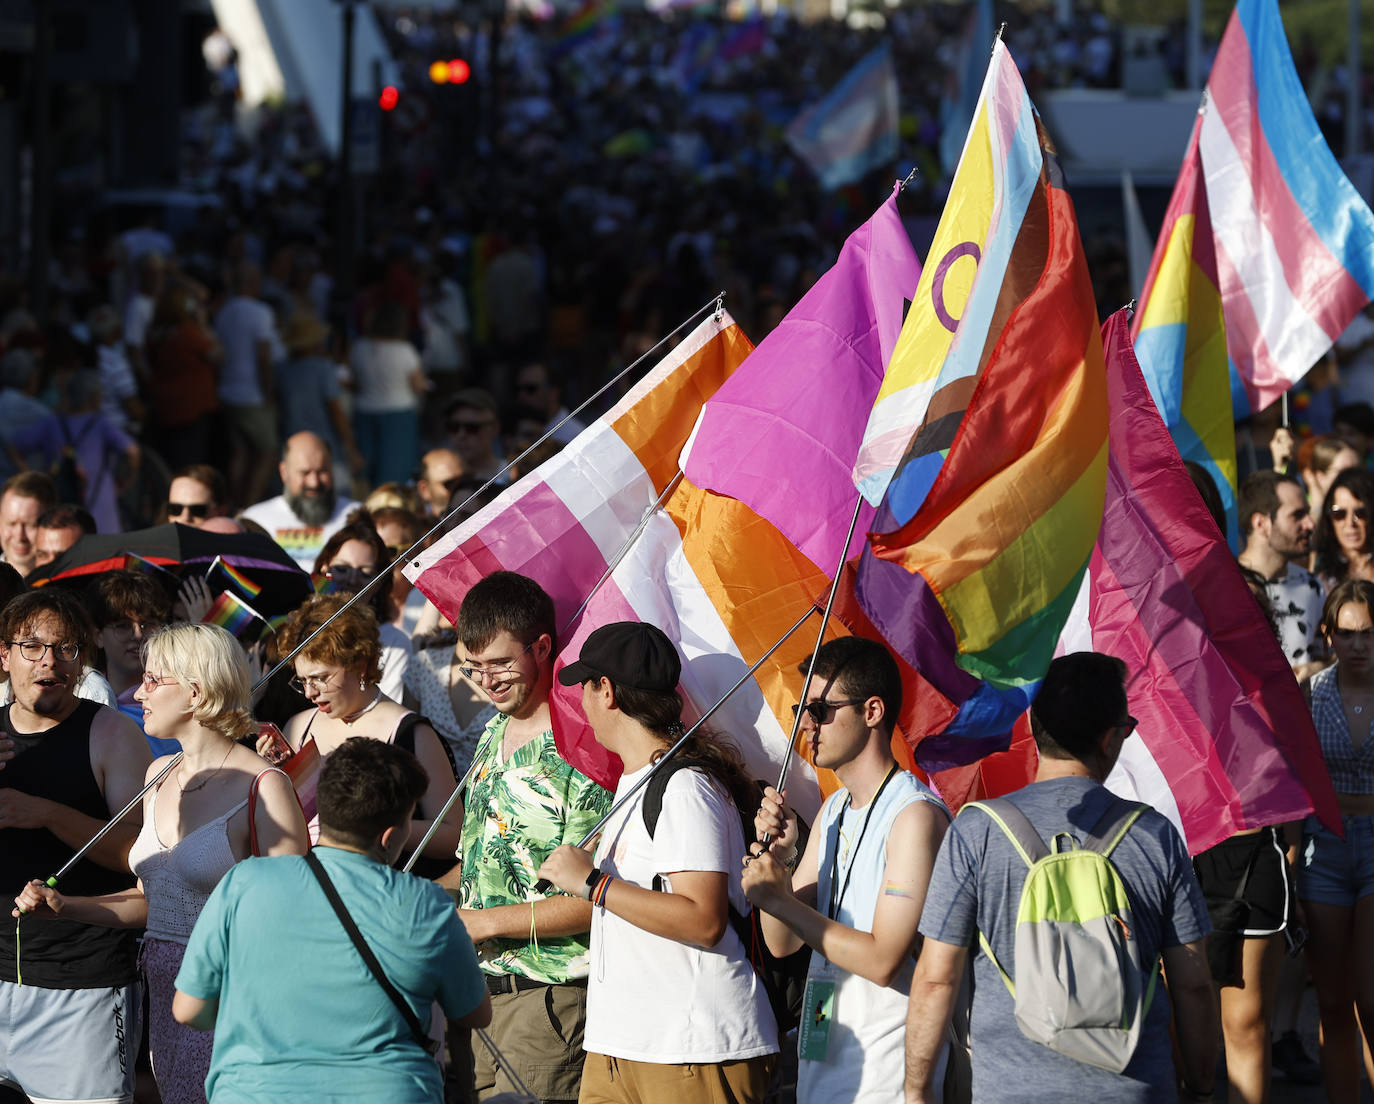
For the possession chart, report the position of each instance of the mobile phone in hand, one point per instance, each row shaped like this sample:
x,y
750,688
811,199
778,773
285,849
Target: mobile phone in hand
x,y
278,751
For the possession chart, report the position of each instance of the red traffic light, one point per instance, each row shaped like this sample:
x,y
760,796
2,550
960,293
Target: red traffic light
x,y
388,99
458,71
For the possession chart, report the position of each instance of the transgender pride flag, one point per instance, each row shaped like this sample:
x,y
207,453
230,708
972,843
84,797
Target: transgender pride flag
x,y
853,130
1266,253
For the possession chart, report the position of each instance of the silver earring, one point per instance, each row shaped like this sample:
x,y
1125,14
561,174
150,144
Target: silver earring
x,y
362,684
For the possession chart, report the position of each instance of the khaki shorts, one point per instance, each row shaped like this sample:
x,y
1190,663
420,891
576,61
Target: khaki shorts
x,y
539,1031
620,1081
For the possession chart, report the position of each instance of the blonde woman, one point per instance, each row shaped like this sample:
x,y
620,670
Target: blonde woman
x,y
219,805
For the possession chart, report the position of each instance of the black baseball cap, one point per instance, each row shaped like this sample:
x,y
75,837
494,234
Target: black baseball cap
x,y
629,653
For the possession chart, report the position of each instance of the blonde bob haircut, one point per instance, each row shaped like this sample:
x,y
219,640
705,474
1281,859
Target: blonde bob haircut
x,y
209,659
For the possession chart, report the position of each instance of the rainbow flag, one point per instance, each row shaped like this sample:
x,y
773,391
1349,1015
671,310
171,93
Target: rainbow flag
x,y
1265,255
233,613
134,562
235,576
991,512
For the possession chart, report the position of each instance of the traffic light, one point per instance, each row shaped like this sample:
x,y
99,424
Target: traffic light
x,y
389,97
453,71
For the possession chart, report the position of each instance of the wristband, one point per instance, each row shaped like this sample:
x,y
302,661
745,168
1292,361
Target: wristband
x,y
599,895
590,884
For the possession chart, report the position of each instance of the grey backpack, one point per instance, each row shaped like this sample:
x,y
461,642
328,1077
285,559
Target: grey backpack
x,y
1080,988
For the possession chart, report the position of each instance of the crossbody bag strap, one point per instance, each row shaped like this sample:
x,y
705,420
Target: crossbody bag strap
x,y
370,960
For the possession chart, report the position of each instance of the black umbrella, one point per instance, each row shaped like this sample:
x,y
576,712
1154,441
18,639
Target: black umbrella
x,y
182,550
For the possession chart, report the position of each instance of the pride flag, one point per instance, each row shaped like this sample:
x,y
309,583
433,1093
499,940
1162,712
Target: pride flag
x,y
852,130
1225,740
231,612
780,436
959,101
990,514
1265,255
235,577
720,581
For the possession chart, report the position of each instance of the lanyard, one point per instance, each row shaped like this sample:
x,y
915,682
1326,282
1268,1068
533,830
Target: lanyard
x,y
836,902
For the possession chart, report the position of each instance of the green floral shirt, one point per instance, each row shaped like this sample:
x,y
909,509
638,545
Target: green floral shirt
x,y
517,812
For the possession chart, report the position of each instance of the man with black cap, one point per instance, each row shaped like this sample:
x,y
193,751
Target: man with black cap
x,y
524,801
675,1010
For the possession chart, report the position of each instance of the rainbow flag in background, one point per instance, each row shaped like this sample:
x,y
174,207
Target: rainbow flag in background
x,y
1265,255
991,512
134,562
233,613
236,577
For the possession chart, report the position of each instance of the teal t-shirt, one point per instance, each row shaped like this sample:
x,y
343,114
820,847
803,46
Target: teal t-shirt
x,y
300,1016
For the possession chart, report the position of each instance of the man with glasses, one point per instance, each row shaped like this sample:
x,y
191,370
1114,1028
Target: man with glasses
x,y
472,422
441,470
524,801
197,493
536,387
308,511
71,1029
126,607
1080,722
856,889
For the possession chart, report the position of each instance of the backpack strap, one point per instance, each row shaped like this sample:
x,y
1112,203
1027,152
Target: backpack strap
x,y
1112,826
652,805
1015,826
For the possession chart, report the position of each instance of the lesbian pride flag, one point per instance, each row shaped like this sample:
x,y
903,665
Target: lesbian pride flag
x,y
719,580
1265,255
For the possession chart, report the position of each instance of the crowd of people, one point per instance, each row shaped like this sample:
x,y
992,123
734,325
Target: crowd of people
x,y
707,944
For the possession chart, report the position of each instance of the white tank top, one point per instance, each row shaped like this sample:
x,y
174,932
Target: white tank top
x,y
178,880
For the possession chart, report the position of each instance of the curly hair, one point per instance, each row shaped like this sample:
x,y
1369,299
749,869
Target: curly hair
x,y
349,640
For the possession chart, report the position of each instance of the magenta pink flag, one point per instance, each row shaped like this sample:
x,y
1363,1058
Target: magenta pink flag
x,y
1220,711
782,433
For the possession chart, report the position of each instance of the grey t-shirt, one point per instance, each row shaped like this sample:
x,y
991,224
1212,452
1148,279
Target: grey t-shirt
x,y
976,886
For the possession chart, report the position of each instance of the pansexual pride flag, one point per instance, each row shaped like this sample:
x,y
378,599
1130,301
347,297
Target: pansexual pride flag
x,y
1265,255
986,526
1225,740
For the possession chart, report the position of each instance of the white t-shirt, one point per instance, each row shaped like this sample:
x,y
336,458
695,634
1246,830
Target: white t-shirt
x,y
381,372
138,316
302,541
396,653
241,324
651,999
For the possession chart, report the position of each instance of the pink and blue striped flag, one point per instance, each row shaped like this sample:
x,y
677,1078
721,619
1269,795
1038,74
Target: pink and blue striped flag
x,y
781,434
1266,253
853,129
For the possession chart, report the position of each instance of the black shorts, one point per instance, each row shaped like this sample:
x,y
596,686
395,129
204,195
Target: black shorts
x,y
1221,868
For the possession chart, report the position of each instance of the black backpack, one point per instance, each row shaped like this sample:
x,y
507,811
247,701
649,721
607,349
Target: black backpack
x,y
784,979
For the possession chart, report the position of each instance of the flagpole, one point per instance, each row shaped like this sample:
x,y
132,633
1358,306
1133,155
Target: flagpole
x,y
134,801
448,805
714,304
820,639
543,885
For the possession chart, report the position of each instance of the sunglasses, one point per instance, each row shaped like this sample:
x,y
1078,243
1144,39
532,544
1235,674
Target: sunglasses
x,y
467,427
1130,724
195,509
1347,635
1338,513
823,712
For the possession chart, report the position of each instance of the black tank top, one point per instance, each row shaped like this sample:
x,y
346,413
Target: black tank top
x,y
56,953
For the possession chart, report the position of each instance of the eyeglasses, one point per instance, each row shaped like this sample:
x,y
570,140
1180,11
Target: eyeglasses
x,y
1348,635
1338,513
456,426
128,627
302,683
1130,724
195,509
822,711
151,681
493,670
35,650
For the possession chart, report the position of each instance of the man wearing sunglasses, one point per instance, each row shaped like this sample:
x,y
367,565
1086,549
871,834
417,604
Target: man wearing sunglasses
x,y
1080,723
523,803
855,896
473,422
71,1029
